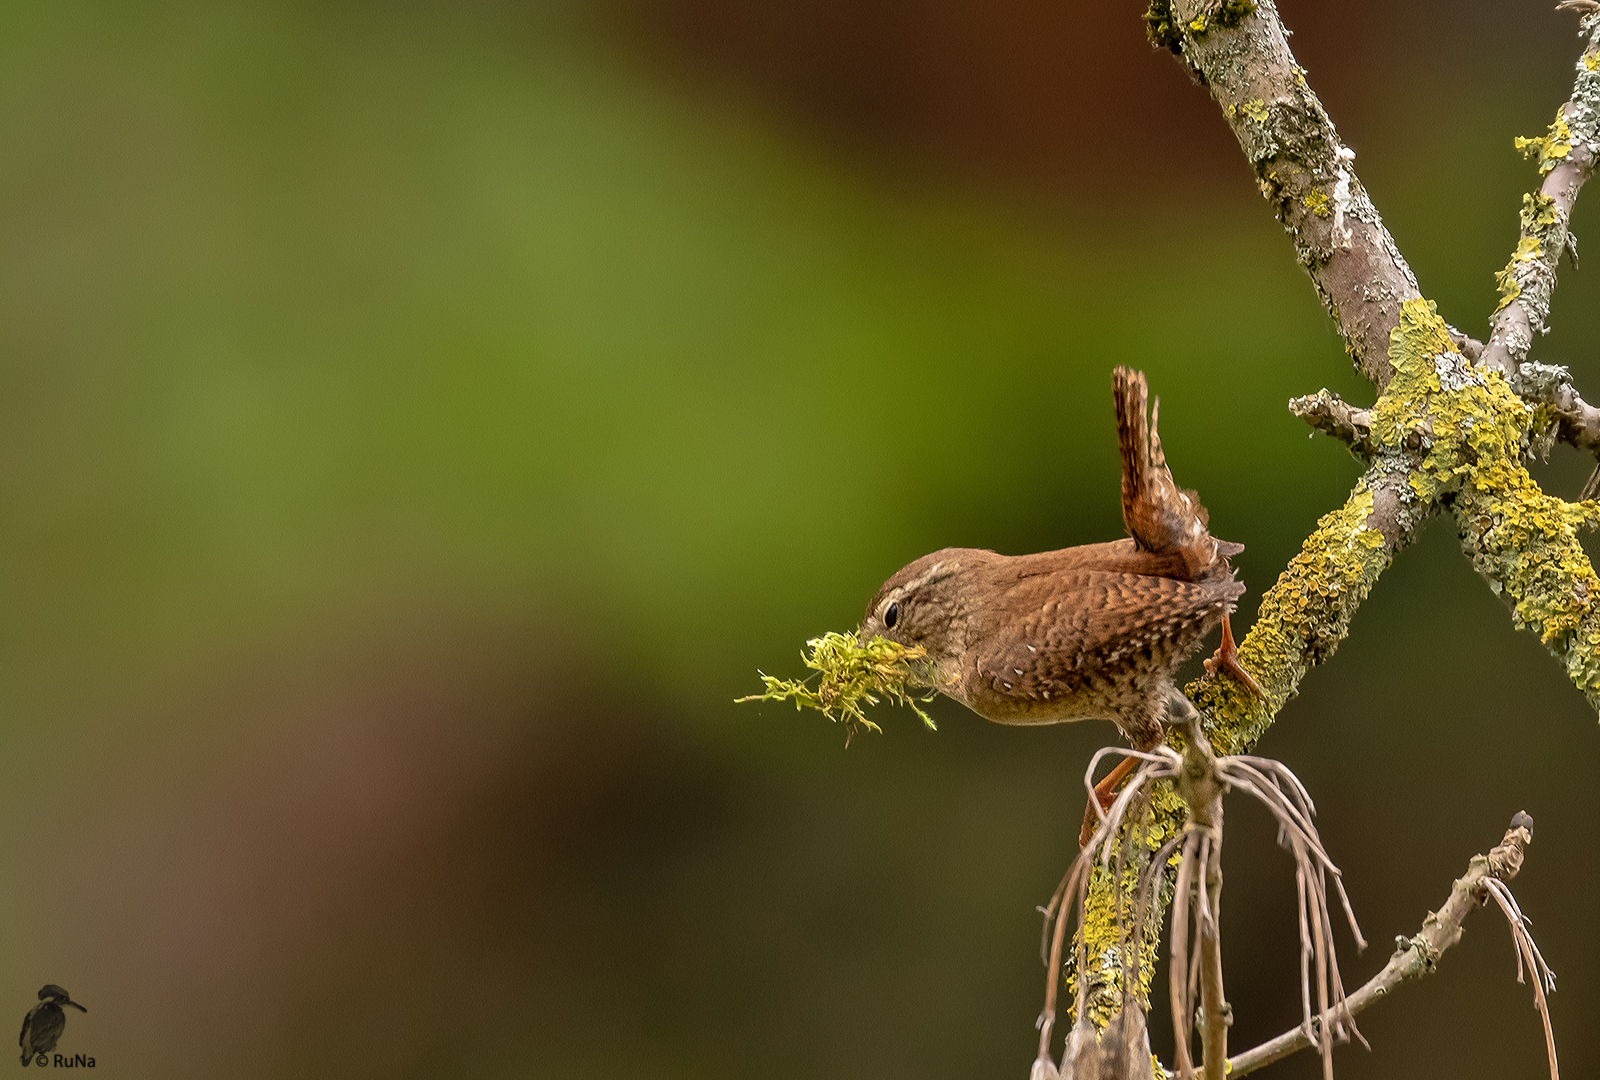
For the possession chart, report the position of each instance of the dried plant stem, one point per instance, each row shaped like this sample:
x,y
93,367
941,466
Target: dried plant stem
x,y
1418,955
1528,956
1182,1012
1214,1034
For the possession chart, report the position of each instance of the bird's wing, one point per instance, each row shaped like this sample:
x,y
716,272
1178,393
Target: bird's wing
x,y
1070,625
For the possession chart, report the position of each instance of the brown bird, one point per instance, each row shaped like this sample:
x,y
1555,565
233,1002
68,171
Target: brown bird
x,y
1096,631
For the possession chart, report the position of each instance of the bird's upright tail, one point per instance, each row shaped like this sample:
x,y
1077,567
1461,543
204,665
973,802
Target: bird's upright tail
x,y
1160,516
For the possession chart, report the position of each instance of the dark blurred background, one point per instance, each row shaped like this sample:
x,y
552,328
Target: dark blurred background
x,y
419,421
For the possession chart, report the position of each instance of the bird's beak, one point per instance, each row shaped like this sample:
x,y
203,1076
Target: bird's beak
x,y
75,1005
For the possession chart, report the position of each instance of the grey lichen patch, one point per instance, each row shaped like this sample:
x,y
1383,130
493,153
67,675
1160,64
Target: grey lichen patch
x,y
1582,110
1530,276
1543,386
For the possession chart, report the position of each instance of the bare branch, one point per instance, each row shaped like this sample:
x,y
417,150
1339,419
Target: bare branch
x,y
1566,156
1418,955
1470,347
1301,166
1330,414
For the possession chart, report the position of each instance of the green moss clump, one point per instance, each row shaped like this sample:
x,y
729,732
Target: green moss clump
x,y
854,675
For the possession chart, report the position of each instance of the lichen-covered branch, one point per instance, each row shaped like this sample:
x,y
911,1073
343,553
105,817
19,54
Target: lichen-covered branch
x,y
1419,954
1566,155
1239,50
1525,544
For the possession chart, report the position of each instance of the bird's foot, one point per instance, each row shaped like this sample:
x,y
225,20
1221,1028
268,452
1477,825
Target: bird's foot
x,y
1226,658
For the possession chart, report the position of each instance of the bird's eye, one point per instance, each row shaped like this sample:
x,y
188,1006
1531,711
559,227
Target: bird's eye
x,y
891,615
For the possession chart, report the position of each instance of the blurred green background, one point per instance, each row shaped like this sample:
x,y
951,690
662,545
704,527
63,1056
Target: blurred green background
x,y
419,421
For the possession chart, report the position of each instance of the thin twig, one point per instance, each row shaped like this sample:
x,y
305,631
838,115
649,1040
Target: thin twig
x,y
1415,956
1330,414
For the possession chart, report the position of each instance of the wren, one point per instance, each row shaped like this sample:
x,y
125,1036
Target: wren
x,y
1096,631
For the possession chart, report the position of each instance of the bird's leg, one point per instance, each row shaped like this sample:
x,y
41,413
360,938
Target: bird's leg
x,y
1226,658
1105,793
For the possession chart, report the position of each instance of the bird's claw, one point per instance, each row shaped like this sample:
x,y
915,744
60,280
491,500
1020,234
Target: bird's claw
x,y
1226,658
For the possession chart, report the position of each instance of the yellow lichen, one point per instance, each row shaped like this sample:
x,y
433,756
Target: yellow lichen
x,y
1255,109
1550,148
1538,212
1506,287
1317,203
1526,543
